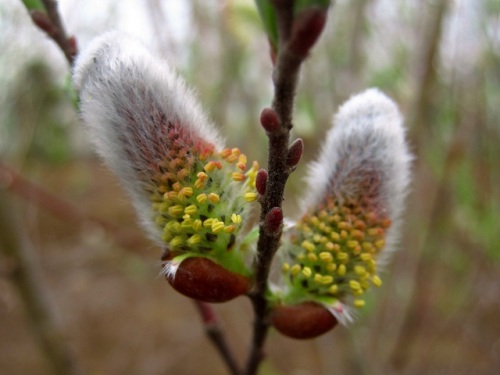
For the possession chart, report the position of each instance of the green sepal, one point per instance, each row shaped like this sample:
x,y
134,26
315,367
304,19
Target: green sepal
x,y
34,5
268,16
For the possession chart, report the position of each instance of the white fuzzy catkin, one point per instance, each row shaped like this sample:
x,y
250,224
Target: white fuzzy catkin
x,y
128,98
365,148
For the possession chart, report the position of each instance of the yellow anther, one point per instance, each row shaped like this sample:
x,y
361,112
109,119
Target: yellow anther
x,y
326,280
171,196
198,184
367,246
197,225
317,238
365,256
359,224
250,196
217,226
162,189
352,244
307,272
309,246
335,218
238,176
236,219
326,257
187,224
241,166
335,236
214,198
380,244
318,277
341,270
175,210
312,257
376,281
182,174
285,267
208,222
230,228
342,256
242,159
295,269
225,153
344,225
177,187
333,289
354,285
191,210
194,239
386,223
176,241
202,198
375,231
356,233
359,302
187,191
331,267
202,176
210,166
235,151
301,256
344,234
359,270
329,246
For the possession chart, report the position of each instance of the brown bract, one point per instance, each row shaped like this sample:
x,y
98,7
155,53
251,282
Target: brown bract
x,y
303,321
204,280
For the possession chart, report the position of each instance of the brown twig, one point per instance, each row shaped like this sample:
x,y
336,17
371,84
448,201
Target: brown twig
x,y
25,275
293,48
52,25
215,334
31,192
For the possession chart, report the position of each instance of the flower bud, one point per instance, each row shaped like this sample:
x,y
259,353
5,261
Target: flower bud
x,y
352,207
307,28
269,120
295,152
192,194
261,181
302,321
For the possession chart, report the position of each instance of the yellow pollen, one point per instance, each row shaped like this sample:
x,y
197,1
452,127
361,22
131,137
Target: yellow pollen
x,y
331,267
341,270
365,256
250,196
342,256
202,176
242,159
176,241
367,246
285,267
236,219
333,289
208,223
191,210
187,191
312,257
357,234
210,166
309,246
335,236
238,176
318,277
202,198
376,281
230,228
354,285
307,272
359,302
326,257
217,226
359,270
175,210
214,198
352,244
295,269
197,225
194,239
198,184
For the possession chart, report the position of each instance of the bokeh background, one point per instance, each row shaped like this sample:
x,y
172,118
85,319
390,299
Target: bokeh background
x,y
439,309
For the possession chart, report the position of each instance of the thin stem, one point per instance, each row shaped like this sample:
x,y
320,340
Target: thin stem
x,y
26,277
215,334
285,78
57,32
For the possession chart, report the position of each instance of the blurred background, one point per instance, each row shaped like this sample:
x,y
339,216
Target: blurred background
x,y
439,309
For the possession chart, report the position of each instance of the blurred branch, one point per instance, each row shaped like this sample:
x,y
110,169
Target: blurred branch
x,y
60,208
25,275
51,23
215,334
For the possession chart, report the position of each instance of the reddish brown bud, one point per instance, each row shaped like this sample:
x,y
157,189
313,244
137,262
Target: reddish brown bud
x,y
202,279
306,30
295,152
261,181
43,21
273,220
303,321
269,120
73,46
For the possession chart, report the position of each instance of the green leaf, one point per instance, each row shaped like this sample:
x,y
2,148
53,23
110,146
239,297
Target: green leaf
x,y
268,16
300,5
34,5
